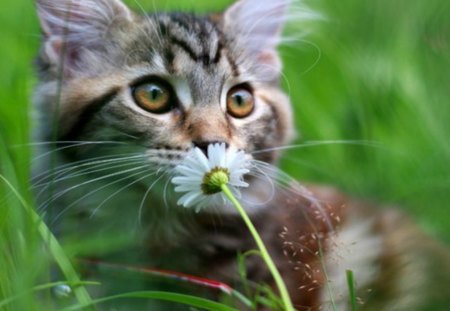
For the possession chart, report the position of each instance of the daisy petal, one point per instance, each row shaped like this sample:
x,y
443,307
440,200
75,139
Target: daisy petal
x,y
202,159
187,188
214,156
239,183
184,180
186,170
190,198
197,168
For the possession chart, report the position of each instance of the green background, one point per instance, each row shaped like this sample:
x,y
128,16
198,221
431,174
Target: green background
x,y
376,73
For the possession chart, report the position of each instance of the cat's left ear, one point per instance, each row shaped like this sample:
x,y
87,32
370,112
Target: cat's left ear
x,y
257,24
73,26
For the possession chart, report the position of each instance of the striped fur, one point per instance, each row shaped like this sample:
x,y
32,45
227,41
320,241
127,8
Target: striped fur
x,y
195,54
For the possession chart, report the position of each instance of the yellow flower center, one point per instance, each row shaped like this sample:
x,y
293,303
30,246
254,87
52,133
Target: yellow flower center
x,y
214,179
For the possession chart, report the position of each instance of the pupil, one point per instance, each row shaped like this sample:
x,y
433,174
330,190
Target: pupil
x,y
155,93
239,100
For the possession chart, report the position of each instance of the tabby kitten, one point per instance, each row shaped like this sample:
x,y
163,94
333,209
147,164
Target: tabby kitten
x,y
128,95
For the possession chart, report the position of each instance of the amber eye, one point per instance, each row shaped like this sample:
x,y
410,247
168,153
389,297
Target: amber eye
x,y
240,102
154,97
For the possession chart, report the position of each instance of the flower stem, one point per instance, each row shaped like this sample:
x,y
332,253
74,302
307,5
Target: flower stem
x,y
263,250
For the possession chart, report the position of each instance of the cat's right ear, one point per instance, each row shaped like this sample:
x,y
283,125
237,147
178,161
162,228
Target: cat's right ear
x,y
257,27
73,26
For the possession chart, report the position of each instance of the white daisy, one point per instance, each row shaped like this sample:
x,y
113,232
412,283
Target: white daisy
x,y
201,176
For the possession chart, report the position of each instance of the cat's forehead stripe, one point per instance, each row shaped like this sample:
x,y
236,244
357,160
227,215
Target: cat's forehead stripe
x,y
185,46
198,38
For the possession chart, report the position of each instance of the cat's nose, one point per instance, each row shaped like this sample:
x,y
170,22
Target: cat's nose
x,y
203,145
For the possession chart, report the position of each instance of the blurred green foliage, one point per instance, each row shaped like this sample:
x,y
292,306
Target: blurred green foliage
x,y
369,72
380,74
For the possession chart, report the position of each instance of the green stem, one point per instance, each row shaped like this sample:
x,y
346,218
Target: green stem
x,y
351,289
262,248
56,250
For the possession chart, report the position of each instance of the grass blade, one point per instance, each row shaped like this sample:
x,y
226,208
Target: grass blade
x,y
166,296
351,289
55,249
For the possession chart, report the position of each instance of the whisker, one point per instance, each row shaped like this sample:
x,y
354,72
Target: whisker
x,y
118,191
61,193
288,183
57,179
89,170
73,146
127,135
365,143
316,61
81,163
58,142
282,75
91,193
307,164
141,206
260,174
166,203
147,16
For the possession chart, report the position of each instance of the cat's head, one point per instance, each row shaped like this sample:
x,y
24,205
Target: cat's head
x,y
164,81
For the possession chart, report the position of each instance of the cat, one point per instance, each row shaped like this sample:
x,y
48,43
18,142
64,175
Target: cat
x,y
126,96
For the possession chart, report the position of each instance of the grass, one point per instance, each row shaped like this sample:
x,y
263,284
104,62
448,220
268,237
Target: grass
x,y
369,71
351,289
380,78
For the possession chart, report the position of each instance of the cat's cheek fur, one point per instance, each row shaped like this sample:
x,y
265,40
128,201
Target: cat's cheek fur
x,y
273,127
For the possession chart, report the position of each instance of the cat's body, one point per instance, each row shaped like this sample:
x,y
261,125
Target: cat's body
x,y
138,92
